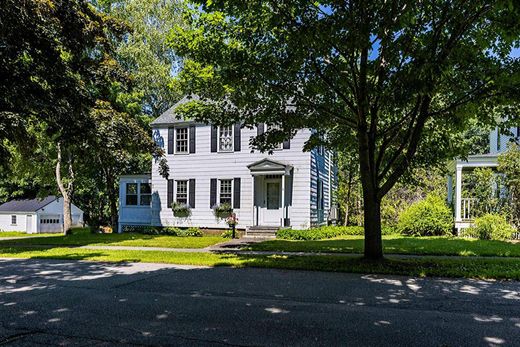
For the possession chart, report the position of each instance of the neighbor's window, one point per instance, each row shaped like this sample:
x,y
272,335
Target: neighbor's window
x,y
131,194
145,197
225,191
225,139
181,193
181,140
13,220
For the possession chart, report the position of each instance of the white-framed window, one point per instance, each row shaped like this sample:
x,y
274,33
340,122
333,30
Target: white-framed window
x,y
225,138
181,192
132,194
268,127
13,220
181,140
226,191
145,194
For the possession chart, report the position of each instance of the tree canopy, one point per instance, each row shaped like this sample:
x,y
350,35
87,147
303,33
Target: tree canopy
x,y
395,81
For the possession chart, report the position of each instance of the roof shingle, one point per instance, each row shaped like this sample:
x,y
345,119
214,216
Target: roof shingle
x,y
26,205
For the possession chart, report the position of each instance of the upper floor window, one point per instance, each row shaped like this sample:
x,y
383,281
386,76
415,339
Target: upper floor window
x,y
275,127
181,192
225,192
181,140
225,138
13,220
145,194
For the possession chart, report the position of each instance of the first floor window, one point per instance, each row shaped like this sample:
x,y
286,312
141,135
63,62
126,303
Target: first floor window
x,y
145,196
181,140
13,220
131,194
225,139
181,192
225,191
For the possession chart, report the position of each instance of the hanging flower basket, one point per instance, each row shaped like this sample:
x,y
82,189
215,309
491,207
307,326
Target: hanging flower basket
x,y
232,220
222,211
181,210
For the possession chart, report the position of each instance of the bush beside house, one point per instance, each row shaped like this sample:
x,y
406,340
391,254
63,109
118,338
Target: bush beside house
x,y
490,227
428,217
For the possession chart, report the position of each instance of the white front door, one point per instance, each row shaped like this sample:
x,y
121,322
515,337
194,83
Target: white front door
x,y
29,223
272,212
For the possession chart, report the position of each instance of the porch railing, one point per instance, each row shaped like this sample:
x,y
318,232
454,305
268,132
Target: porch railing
x,y
468,208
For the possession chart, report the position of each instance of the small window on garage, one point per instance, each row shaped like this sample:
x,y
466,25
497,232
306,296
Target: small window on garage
x,y
131,194
13,220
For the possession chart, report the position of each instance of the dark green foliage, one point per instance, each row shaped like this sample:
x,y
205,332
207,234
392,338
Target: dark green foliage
x,y
325,232
490,227
181,210
222,211
428,217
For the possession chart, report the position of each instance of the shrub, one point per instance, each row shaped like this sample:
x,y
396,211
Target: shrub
x,y
428,217
490,227
227,234
170,231
325,232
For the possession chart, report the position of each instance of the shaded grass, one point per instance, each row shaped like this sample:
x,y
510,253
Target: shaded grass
x,y
484,268
396,244
83,237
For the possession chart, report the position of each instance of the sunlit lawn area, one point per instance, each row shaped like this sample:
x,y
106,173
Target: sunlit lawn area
x,y
396,244
5,234
459,267
83,237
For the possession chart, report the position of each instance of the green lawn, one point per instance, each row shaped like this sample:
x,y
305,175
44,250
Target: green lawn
x,y
396,244
21,234
82,237
485,268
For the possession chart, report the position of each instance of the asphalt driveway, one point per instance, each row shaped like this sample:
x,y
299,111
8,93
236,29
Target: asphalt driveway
x,y
54,302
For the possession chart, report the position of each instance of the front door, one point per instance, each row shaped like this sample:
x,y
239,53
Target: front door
x,y
272,213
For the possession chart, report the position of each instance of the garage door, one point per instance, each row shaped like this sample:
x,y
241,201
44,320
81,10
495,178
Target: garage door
x,y
50,224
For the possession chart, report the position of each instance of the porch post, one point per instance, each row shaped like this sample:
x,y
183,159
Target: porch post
x,y
283,201
253,200
458,194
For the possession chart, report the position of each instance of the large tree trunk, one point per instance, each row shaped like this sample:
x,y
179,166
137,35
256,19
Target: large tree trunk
x,y
112,201
372,217
65,192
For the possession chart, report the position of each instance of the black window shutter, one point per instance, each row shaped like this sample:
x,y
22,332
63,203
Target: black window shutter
x,y
238,137
170,140
169,199
213,138
287,144
213,193
192,138
260,129
236,193
192,193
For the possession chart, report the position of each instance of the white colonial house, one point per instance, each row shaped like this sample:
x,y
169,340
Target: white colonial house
x,y
212,165
463,204
36,215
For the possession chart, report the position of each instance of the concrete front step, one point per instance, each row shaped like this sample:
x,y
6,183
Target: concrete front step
x,y
262,232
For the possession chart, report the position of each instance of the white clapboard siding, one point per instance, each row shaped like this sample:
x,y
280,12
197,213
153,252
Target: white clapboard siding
x,y
205,165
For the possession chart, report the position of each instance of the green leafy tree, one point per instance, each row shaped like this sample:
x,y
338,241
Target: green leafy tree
x,y
398,79
144,52
509,166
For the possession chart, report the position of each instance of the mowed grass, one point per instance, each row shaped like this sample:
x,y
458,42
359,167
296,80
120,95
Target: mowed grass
x,y
4,234
83,237
396,244
482,268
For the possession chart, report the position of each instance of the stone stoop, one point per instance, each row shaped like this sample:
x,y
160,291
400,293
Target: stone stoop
x,y
266,232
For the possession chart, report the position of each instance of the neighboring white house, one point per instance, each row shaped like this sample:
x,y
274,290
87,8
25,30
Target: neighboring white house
x,y
36,215
463,204
212,165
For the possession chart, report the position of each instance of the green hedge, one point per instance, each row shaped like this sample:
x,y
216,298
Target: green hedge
x,y
170,231
428,217
490,227
326,232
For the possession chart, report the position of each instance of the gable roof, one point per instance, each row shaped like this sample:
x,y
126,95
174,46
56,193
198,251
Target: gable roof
x,y
26,205
170,117
267,166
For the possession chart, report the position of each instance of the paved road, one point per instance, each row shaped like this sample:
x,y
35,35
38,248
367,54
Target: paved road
x,y
51,302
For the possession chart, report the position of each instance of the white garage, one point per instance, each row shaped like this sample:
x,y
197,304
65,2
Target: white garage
x,y
37,215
